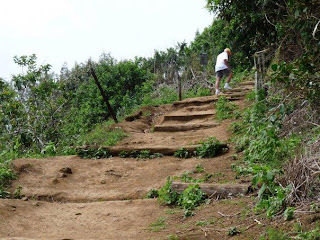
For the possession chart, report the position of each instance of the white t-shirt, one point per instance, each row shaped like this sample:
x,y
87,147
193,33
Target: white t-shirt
x,y
220,65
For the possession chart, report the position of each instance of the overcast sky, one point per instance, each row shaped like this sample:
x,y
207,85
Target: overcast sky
x,y
70,31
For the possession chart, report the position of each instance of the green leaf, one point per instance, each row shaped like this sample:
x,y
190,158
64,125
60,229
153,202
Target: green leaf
x,y
262,190
274,67
270,176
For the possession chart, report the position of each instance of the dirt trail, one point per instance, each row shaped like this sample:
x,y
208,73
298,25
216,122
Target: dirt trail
x,y
72,198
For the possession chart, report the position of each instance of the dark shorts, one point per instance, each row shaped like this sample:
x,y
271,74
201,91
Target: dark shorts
x,y
224,72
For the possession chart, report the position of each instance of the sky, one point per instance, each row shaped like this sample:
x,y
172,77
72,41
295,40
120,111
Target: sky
x,y
69,31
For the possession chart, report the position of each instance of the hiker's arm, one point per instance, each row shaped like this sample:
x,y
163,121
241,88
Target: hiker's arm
x,y
227,63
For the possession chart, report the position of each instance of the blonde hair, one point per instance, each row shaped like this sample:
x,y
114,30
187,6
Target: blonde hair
x,y
227,50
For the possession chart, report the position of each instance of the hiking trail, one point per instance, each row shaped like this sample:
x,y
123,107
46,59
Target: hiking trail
x,y
68,197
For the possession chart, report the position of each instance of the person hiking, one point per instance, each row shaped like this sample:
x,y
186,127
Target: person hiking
x,y
223,68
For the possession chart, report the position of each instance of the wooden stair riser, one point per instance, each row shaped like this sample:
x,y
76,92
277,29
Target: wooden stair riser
x,y
181,128
184,118
215,190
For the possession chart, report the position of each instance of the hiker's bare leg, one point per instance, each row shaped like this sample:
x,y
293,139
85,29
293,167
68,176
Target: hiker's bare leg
x,y
229,77
218,79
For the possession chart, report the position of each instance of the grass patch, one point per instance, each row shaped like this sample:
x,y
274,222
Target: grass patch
x,y
225,108
158,225
6,173
93,153
103,135
143,154
191,197
210,148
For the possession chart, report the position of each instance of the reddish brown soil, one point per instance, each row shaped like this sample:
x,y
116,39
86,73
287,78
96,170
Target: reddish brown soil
x,y
105,198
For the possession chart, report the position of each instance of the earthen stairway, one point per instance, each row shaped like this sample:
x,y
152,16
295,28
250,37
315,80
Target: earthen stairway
x,y
105,198
184,124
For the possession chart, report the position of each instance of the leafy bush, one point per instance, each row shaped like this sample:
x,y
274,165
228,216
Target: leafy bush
x,y
103,135
191,197
199,168
6,173
142,154
153,193
167,195
182,153
224,108
93,153
289,214
158,225
210,148
233,231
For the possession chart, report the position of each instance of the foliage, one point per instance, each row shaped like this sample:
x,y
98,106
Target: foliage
x,y
185,177
191,197
173,237
167,195
199,168
251,27
158,225
289,213
271,196
233,231
93,153
300,76
153,193
6,173
182,153
299,233
225,108
17,192
209,148
265,153
142,154
102,134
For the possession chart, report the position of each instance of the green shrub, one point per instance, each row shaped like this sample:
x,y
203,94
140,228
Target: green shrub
x,y
102,135
167,195
182,153
6,173
224,108
142,154
158,225
233,231
153,193
93,153
289,214
210,148
199,168
191,197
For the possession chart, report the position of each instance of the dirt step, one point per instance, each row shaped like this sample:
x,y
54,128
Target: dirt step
x,y
96,180
205,107
246,83
165,150
183,127
203,100
100,220
189,116
238,90
215,190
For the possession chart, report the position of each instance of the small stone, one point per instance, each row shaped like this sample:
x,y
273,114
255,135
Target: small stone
x,y
63,175
78,214
66,170
25,199
37,204
55,181
103,181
